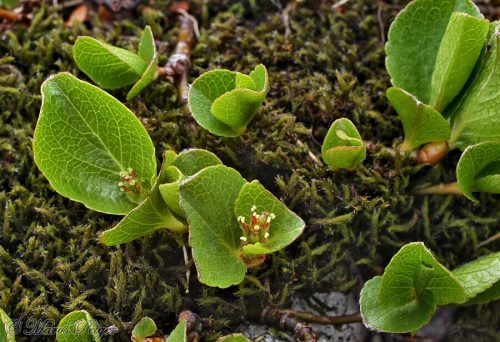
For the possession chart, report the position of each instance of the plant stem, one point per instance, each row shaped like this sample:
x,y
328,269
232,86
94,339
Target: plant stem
x,y
177,67
327,320
281,319
432,153
489,240
441,189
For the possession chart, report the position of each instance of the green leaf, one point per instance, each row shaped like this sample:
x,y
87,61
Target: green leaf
x,y
144,328
476,117
478,169
388,318
234,338
282,230
412,285
491,294
85,139
406,278
460,48
224,102
479,275
187,163
193,160
179,333
147,51
6,328
414,41
108,66
152,214
208,199
421,123
77,326
343,147
8,3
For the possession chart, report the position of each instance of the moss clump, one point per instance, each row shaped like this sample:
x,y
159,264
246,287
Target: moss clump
x,y
331,65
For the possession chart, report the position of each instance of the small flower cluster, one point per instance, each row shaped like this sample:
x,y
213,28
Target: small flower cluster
x,y
129,181
257,230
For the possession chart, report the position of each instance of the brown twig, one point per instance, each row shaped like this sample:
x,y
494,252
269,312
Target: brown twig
x,y
284,321
327,320
441,189
9,15
177,68
193,325
489,240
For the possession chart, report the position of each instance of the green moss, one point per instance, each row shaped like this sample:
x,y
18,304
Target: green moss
x,y
330,66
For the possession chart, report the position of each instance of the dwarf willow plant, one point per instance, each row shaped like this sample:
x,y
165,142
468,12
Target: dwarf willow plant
x,y
430,68
224,102
111,67
7,333
343,147
414,284
93,150
143,329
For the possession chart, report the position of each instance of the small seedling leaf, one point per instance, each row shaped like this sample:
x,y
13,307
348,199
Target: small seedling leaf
x,y
283,229
144,328
478,169
414,42
179,333
224,102
479,275
6,328
343,147
85,139
208,199
147,51
77,326
476,117
108,66
421,123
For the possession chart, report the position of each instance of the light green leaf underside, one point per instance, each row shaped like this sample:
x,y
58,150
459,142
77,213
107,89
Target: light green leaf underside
x,y
179,333
192,160
144,328
421,123
283,230
414,40
77,326
208,199
147,51
6,328
220,104
84,138
489,295
234,338
152,214
408,317
476,118
460,48
473,167
479,275
343,146
108,66
403,279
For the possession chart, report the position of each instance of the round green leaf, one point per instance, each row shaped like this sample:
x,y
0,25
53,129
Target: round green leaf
x,y
223,101
144,328
84,139
77,326
192,160
208,199
6,328
392,318
343,147
478,169
283,229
